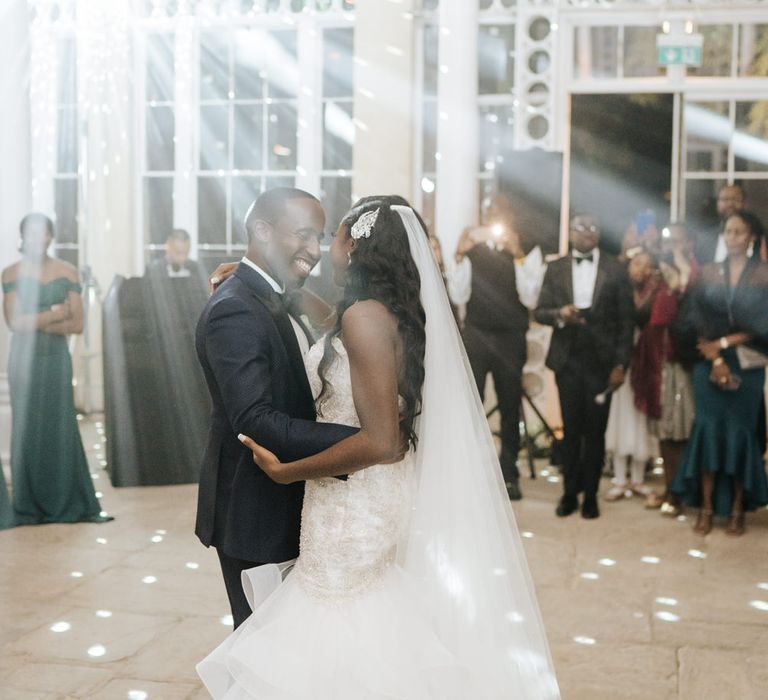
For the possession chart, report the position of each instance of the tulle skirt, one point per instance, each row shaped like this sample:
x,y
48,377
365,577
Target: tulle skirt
x,y
377,645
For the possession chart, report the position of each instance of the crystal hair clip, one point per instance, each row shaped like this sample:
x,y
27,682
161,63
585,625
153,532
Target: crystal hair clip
x,y
363,227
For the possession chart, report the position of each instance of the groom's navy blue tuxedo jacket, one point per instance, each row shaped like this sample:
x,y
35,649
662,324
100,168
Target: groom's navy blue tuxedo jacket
x,y
255,373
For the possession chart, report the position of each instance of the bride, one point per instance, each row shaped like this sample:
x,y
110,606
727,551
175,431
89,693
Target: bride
x,y
411,581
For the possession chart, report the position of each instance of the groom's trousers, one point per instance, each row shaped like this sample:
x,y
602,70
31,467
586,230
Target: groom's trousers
x,y
232,569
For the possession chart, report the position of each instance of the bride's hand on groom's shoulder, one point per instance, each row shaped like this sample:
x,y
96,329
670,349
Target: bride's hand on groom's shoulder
x,y
222,272
266,461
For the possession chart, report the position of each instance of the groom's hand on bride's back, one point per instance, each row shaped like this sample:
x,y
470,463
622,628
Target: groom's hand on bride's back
x,y
266,461
222,272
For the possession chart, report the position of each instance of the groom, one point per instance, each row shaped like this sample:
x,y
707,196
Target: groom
x,y
251,349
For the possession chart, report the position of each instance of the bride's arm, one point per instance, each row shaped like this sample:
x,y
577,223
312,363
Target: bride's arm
x,y
371,340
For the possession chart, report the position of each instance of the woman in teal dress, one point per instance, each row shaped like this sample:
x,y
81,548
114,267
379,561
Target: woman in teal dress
x,y
42,306
722,470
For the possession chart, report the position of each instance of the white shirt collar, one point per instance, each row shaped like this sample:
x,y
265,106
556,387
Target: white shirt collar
x,y
270,280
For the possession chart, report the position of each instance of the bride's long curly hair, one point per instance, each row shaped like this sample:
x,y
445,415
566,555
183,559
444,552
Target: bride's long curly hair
x,y
381,267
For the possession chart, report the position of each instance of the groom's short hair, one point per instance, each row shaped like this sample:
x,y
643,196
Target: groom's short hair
x,y
269,206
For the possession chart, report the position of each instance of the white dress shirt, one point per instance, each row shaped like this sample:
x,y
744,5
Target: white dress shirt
x,y
529,275
300,335
584,276
721,252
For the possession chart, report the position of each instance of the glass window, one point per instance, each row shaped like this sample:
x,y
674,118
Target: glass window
x,y
496,133
708,133
640,52
716,52
160,68
248,149
338,65
282,136
338,125
65,195
65,178
214,137
212,210
160,143
430,136
244,191
595,52
280,60
338,136
158,208
431,46
750,138
248,68
496,58
67,140
66,73
753,50
214,66
336,195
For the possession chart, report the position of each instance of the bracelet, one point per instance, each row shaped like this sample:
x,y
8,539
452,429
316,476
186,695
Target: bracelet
x,y
718,361
724,344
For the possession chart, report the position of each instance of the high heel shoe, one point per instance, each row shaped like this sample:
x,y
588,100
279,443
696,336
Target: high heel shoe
x,y
704,522
735,524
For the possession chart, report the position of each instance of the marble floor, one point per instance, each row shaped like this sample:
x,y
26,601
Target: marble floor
x,y
636,606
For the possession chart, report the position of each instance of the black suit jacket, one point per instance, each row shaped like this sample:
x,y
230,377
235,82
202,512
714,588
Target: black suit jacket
x,y
255,374
610,323
705,244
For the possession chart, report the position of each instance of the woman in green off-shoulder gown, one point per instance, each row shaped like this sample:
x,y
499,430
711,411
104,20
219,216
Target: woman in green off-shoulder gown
x,y
50,475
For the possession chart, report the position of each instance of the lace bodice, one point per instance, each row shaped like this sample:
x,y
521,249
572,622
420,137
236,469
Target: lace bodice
x,y
349,529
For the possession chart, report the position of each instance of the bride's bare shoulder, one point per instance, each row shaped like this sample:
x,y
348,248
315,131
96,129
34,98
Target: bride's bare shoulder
x,y
368,319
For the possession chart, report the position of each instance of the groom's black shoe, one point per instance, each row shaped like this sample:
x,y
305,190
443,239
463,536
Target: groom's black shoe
x,y
513,490
589,509
568,504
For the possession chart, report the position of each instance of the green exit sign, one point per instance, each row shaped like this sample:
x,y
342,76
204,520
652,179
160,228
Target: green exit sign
x,y
679,50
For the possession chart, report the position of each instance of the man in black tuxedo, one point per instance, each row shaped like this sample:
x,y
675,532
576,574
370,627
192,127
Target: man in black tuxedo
x,y
709,244
587,298
251,349
176,263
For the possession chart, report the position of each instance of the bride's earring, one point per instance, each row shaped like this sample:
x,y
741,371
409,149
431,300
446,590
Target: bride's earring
x,y
349,258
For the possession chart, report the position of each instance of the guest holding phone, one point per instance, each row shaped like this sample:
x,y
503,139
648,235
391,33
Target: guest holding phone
x,y
722,470
498,284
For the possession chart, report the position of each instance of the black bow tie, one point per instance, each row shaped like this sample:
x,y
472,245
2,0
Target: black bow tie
x,y
581,258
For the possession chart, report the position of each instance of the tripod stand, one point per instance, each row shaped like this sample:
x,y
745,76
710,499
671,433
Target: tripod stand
x,y
528,441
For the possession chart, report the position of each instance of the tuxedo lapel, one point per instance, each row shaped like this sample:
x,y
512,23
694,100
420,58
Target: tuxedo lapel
x,y
568,278
285,328
600,279
267,296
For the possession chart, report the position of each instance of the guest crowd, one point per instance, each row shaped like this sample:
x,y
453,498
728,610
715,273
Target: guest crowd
x,y
657,353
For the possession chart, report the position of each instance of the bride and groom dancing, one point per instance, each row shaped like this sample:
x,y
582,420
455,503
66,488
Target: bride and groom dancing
x,y
368,456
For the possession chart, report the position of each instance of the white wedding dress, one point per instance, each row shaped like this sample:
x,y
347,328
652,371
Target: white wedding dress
x,y
383,603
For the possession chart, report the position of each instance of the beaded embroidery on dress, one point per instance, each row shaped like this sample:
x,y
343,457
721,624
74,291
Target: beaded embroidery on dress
x,y
349,529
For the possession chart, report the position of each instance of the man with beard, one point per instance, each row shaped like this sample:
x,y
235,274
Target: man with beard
x,y
709,245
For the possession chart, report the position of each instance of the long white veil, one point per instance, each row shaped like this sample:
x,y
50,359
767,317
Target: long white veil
x,y
462,544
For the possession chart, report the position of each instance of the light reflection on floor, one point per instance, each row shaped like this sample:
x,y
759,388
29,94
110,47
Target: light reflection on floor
x,y
636,605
